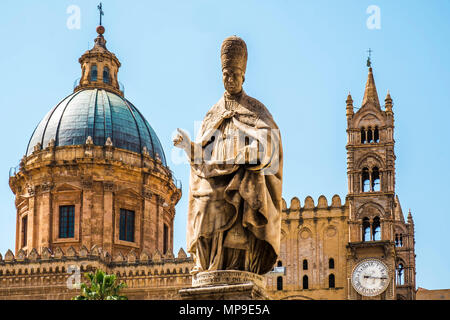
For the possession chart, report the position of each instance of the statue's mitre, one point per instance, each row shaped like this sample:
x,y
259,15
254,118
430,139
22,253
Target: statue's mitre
x,y
233,53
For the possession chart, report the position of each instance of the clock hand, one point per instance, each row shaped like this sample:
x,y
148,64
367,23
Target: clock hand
x,y
365,277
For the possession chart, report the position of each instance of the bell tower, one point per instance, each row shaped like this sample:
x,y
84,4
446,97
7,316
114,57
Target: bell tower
x,y
374,209
370,146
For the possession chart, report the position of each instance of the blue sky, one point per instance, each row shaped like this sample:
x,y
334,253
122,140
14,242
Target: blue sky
x,y
304,58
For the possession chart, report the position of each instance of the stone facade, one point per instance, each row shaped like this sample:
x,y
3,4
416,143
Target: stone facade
x,y
312,233
50,276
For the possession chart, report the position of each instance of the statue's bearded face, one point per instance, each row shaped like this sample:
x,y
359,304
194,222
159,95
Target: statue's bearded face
x,y
233,78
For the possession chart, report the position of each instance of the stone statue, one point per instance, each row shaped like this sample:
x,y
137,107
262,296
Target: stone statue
x,y
234,214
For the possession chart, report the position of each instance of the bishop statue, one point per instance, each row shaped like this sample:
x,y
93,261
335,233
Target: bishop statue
x,y
234,213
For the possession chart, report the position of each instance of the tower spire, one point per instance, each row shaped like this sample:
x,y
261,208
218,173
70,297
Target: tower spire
x,y
370,93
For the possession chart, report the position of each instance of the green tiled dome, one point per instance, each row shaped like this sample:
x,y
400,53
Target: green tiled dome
x,y
99,114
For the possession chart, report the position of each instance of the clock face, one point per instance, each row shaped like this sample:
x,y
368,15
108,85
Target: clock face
x,y
370,277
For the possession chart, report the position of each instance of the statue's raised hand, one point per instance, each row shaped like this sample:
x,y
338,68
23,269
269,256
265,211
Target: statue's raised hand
x,y
182,140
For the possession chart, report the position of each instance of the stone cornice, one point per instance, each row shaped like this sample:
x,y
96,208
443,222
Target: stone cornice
x,y
24,260
74,157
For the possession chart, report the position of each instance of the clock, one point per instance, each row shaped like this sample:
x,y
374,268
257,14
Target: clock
x,y
370,277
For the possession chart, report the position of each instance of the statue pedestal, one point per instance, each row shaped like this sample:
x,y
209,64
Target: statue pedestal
x,y
225,285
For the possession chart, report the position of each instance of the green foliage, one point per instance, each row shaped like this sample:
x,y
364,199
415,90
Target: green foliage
x,y
102,286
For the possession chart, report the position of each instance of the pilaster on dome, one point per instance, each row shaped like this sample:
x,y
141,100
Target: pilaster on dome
x,y
370,93
99,67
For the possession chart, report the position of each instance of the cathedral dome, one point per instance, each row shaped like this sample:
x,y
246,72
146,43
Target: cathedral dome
x,y
99,114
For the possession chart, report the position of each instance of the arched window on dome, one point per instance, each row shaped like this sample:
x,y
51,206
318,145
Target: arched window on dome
x,y
66,221
165,238
94,72
126,225
24,230
106,76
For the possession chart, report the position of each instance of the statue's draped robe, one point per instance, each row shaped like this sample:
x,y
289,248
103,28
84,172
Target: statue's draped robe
x,y
234,216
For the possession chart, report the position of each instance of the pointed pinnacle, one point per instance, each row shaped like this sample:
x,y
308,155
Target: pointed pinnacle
x,y
410,216
370,93
349,99
388,97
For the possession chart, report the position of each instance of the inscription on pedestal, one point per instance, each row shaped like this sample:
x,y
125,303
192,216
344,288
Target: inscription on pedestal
x,y
218,277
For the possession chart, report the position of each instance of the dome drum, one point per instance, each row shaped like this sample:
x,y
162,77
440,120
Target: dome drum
x,y
99,182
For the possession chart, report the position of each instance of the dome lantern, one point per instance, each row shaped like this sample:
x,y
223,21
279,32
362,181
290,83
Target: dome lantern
x,y
99,67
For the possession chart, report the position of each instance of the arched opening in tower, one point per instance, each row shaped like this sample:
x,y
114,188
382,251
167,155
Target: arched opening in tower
x,y
365,180
366,229
375,179
376,229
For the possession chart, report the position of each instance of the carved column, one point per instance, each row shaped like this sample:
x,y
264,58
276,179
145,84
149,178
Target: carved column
x,y
148,236
108,216
32,232
171,235
360,231
160,223
350,183
154,216
18,231
45,219
86,214
384,234
361,184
